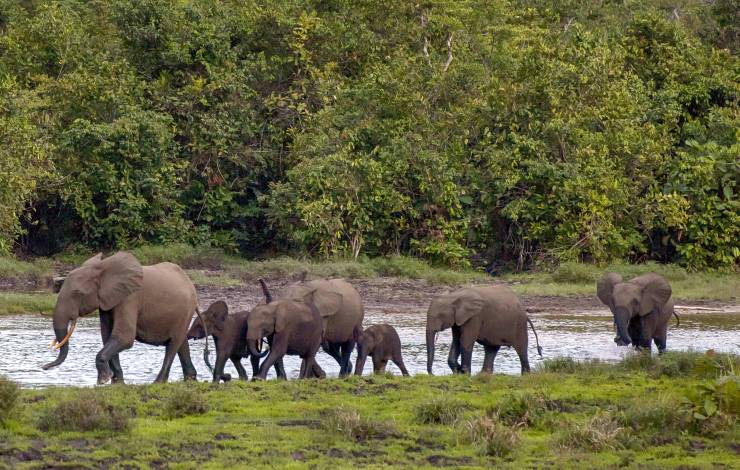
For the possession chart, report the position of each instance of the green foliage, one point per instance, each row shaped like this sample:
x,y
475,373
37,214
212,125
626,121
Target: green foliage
x,y
348,422
491,437
15,303
86,411
9,392
599,433
484,133
523,409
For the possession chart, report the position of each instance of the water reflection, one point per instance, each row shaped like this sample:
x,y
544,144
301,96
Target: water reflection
x,y
24,344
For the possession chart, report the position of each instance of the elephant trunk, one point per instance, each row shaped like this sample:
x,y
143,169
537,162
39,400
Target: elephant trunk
x,y
252,345
60,334
621,320
430,349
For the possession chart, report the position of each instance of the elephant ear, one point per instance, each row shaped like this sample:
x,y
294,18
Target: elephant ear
x,y
121,276
327,303
93,260
605,287
467,305
218,311
281,313
655,292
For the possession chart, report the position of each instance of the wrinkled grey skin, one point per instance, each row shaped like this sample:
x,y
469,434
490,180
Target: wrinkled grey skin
x,y
492,316
381,342
342,318
150,304
291,327
229,332
642,308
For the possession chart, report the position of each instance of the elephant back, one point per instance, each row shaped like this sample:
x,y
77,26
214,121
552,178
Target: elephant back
x,y
504,317
340,325
167,302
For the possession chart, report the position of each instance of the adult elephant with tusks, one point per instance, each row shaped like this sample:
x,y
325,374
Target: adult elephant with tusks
x,y
491,316
151,304
642,308
341,310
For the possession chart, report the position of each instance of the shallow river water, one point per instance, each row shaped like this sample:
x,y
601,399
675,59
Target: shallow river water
x,y
24,342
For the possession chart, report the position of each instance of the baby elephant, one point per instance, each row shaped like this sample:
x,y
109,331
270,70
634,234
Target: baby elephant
x,y
230,335
381,342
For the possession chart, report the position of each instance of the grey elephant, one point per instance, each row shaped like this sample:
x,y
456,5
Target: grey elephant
x,y
641,308
150,304
381,342
342,321
491,316
229,332
292,327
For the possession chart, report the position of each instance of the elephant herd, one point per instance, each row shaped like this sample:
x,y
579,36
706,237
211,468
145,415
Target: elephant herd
x,y
155,305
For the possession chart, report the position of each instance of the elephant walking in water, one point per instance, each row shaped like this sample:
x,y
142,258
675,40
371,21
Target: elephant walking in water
x,y
151,304
641,308
491,316
342,319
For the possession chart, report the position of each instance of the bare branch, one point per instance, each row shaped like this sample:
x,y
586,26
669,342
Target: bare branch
x,y
567,26
449,53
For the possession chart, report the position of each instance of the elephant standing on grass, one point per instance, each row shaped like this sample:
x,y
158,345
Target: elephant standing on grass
x,y
641,308
491,316
342,321
381,342
151,304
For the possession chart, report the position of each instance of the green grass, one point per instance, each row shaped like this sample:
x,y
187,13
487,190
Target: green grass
x,y
12,303
38,270
591,416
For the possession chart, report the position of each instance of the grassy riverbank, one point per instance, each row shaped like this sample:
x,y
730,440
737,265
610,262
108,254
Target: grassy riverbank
x,y
208,267
646,411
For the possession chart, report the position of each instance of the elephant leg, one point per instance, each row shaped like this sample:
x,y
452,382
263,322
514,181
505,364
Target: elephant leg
x,y
523,358
345,366
106,328
237,361
490,356
218,368
660,343
169,356
399,362
467,341
188,369
255,361
102,359
379,365
454,351
280,369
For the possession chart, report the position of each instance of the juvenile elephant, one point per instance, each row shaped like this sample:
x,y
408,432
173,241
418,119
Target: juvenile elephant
x,y
151,304
229,333
292,327
381,342
342,321
641,308
492,316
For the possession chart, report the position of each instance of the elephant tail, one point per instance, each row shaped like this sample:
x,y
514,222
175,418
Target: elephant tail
x,y
539,348
678,320
206,359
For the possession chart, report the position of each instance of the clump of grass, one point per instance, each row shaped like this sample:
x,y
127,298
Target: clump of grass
x,y
38,270
568,365
85,411
490,436
349,422
681,364
523,409
599,432
185,401
653,413
207,279
439,411
578,273
13,303
9,391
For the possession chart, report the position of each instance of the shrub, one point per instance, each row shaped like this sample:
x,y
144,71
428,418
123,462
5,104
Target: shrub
x,y
654,413
87,410
568,365
8,397
491,437
523,409
185,402
439,411
349,422
600,432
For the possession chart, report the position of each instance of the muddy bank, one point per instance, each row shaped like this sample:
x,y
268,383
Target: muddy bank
x,y
392,294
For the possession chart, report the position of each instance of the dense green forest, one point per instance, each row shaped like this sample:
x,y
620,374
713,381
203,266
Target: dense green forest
x,y
497,133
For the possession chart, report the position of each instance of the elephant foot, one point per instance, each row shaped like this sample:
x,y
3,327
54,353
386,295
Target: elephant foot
x,y
117,380
226,377
104,377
